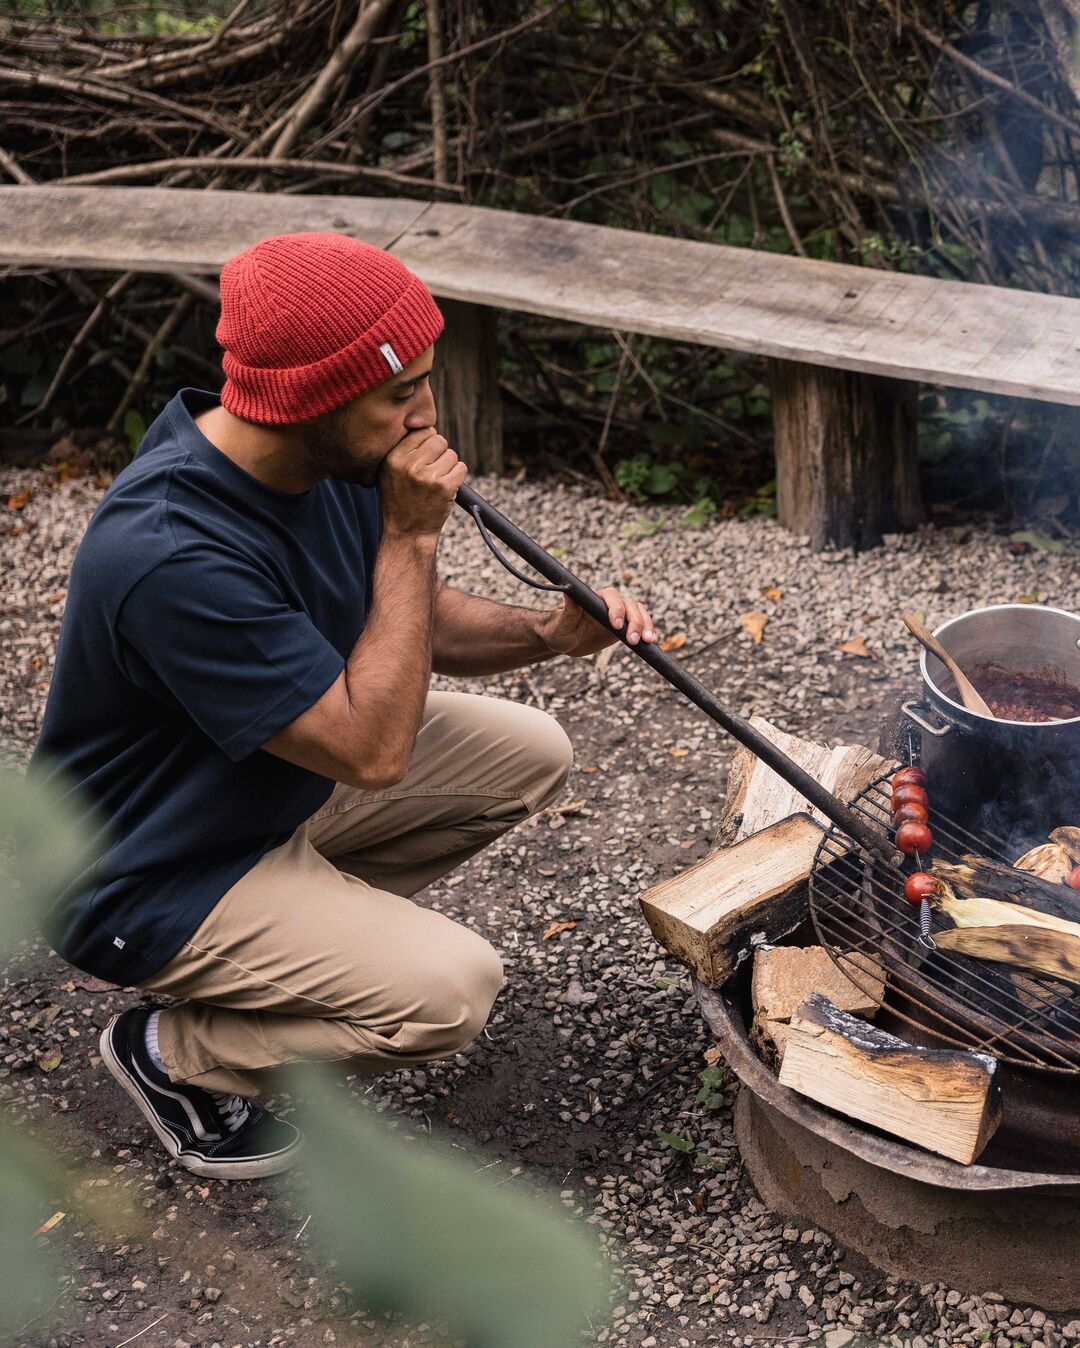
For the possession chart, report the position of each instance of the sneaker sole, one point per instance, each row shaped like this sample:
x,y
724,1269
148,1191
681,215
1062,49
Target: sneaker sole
x,y
254,1169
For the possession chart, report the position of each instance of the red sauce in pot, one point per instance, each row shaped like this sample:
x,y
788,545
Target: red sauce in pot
x,y
1020,697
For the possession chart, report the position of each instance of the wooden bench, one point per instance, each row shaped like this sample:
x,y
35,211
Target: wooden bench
x,y
847,346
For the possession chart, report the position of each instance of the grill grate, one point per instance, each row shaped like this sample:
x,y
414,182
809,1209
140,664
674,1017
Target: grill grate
x,y
863,920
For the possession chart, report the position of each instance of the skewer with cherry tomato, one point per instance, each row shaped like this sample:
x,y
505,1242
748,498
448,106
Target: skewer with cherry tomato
x,y
911,813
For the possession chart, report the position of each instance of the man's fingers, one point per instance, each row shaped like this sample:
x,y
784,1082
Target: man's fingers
x,y
648,631
616,608
629,616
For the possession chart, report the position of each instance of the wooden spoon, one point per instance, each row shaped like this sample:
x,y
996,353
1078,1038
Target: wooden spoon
x,y
969,694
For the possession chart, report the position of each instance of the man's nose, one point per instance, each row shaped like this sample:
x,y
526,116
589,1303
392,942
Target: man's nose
x,y
423,414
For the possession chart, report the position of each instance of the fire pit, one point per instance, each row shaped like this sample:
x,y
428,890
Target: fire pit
x,y
1008,1228
1010,1221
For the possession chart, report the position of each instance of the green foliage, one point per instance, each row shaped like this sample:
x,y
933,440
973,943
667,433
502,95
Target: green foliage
x,y
712,1081
53,846
682,1144
29,1189
134,429
762,502
1040,542
642,475
416,1229
427,1233
642,527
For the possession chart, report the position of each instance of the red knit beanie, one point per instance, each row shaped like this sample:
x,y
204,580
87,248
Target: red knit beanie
x,y
309,321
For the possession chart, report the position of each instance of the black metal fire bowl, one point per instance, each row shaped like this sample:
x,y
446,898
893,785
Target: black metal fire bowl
x,y
999,1225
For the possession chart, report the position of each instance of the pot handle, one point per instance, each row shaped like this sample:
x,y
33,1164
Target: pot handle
x,y
909,710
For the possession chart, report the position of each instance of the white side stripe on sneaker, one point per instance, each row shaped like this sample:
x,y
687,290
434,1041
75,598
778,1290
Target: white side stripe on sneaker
x,y
202,1133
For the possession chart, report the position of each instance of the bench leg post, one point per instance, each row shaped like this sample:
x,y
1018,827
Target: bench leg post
x,y
466,385
846,457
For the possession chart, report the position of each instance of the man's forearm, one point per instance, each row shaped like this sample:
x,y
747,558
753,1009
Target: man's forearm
x,y
477,636
389,669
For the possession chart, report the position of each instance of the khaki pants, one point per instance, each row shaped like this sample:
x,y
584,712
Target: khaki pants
x,y
318,954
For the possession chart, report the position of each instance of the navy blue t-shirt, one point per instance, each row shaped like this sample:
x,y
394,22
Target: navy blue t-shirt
x,y
205,612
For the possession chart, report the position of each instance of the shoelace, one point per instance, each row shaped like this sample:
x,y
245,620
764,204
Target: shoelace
x,y
234,1110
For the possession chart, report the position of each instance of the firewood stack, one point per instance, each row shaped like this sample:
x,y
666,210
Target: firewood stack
x,y
748,900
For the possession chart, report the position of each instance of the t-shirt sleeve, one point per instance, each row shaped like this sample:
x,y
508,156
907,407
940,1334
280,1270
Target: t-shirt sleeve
x,y
214,634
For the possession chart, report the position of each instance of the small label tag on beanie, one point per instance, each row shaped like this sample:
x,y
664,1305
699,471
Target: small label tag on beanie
x,y
391,358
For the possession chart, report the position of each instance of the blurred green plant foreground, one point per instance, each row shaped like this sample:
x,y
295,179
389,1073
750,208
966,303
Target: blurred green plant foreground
x,y
415,1229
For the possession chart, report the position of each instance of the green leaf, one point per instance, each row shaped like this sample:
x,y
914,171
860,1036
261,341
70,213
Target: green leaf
x,y
715,1163
1037,540
51,846
700,513
425,1232
34,390
30,1189
642,527
676,1143
134,429
660,480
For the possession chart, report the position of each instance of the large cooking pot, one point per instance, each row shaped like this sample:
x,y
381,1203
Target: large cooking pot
x,y
1014,779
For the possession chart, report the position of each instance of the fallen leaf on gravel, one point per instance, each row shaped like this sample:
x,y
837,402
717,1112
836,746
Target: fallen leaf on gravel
x,y
1027,599
54,1220
713,1056
20,500
49,1062
45,1017
675,1143
754,623
856,646
674,643
571,807
772,594
679,753
557,927
89,983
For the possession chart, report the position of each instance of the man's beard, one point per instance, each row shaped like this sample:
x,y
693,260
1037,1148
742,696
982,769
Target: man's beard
x,y
331,454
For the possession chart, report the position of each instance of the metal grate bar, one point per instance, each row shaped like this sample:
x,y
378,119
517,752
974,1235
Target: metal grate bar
x,y
895,940
860,913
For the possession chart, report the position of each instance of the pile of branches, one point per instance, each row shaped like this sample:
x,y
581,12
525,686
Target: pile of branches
x,y
928,136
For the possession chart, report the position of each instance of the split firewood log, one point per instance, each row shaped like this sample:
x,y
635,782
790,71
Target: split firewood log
x,y
708,914
785,975
945,1100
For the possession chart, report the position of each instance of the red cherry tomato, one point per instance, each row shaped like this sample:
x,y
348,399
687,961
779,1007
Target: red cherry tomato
x,y
920,886
1074,878
911,811
913,837
910,794
909,777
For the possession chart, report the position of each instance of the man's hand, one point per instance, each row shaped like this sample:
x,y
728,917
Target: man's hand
x,y
569,630
419,479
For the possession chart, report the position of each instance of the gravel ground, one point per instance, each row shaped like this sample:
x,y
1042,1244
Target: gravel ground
x,y
596,1042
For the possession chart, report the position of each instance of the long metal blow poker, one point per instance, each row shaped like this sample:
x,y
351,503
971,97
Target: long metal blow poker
x,y
490,522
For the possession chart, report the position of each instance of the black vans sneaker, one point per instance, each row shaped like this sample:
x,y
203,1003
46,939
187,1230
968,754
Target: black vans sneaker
x,y
218,1136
